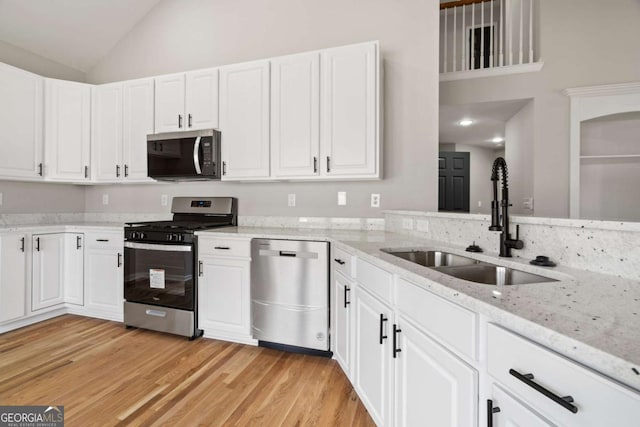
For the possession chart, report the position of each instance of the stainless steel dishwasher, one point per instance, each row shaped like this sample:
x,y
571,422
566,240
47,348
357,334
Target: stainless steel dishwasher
x,y
290,294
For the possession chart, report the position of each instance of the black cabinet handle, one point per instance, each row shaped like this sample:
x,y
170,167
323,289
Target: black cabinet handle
x,y
200,268
78,242
224,168
117,171
102,240
224,248
328,164
189,124
22,244
315,164
346,293
126,171
38,244
86,171
565,402
40,169
180,121
339,261
382,336
119,259
396,331
490,411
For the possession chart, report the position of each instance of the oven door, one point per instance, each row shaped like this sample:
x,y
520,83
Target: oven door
x,y
159,274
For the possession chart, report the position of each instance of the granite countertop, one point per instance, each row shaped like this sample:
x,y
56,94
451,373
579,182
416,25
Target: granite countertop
x,y
73,224
590,317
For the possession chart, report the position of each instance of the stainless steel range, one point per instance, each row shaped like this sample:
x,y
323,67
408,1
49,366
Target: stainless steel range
x,y
160,287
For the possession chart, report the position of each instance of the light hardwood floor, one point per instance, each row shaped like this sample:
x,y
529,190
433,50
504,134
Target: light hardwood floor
x,y
106,375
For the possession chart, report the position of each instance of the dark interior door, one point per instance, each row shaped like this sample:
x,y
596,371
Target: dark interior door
x,y
453,181
475,47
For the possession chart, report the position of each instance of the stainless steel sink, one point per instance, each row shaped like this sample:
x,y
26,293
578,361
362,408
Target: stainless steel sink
x,y
468,268
431,258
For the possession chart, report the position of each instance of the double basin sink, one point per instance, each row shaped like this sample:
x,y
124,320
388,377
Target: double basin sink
x,y
469,269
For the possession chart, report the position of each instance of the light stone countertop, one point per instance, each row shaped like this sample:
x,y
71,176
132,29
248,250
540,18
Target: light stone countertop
x,y
66,226
590,317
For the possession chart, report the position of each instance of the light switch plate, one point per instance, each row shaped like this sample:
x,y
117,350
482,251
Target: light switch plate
x,y
291,201
342,198
105,199
164,200
375,200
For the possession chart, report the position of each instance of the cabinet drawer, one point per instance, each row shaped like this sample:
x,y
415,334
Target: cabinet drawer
x,y
224,247
598,401
342,261
448,322
104,240
375,279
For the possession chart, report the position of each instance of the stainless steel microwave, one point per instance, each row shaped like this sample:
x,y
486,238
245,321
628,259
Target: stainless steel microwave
x,y
184,156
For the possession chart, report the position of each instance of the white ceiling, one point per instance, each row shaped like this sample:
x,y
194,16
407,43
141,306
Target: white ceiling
x,y
489,119
75,33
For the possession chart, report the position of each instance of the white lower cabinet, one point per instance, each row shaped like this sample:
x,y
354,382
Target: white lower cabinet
x,y
47,283
504,410
432,386
372,367
224,301
103,275
73,268
13,276
342,323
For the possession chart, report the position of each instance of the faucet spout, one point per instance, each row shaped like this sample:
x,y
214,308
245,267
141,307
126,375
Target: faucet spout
x,y
506,242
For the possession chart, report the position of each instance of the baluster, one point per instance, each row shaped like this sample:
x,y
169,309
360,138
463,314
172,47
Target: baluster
x,y
463,39
530,31
521,30
472,66
508,19
501,38
482,23
491,37
455,31
446,33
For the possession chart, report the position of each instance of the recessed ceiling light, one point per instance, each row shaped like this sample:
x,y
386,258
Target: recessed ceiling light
x,y
465,122
497,140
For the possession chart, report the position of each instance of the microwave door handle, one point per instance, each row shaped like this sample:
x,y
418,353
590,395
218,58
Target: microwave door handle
x,y
196,156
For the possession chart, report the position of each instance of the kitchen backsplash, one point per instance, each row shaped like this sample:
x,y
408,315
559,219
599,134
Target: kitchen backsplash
x,y
600,246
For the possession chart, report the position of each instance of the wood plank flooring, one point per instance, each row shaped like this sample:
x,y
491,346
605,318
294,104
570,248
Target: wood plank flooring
x,y
106,375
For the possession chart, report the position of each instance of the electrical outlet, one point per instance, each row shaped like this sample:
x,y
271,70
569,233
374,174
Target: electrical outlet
x,y
527,203
407,223
164,200
422,225
342,198
291,201
105,199
375,200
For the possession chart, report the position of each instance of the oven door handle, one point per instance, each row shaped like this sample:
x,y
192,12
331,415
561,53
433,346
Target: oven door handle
x,y
159,247
196,156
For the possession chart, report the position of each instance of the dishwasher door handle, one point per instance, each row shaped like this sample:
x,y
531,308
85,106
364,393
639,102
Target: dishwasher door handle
x,y
290,254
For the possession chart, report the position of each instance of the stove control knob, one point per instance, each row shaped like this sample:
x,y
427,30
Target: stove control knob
x,y
141,235
134,234
169,237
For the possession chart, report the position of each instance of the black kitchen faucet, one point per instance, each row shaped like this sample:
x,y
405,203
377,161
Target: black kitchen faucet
x,y
506,242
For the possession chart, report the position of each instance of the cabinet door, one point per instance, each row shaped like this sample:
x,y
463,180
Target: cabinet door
x,y
433,387
13,276
21,123
67,130
350,111
244,120
73,268
104,276
202,100
137,124
372,365
510,412
48,278
106,132
341,330
295,115
223,296
169,103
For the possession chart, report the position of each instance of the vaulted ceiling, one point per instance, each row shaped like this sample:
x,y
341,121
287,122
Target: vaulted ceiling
x,y
75,33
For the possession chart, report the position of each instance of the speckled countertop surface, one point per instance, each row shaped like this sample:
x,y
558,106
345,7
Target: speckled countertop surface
x,y
70,225
590,317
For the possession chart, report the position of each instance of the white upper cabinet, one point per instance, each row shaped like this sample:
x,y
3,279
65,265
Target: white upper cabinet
x,y
295,115
350,111
122,116
202,100
21,107
187,101
67,130
244,120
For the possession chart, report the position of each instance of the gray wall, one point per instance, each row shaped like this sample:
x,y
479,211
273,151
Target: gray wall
x,y
519,132
583,43
23,197
179,36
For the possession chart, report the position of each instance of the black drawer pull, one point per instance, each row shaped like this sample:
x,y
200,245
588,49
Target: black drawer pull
x,y
396,350
222,248
339,261
22,244
38,244
78,242
490,411
565,402
382,320
102,240
346,292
